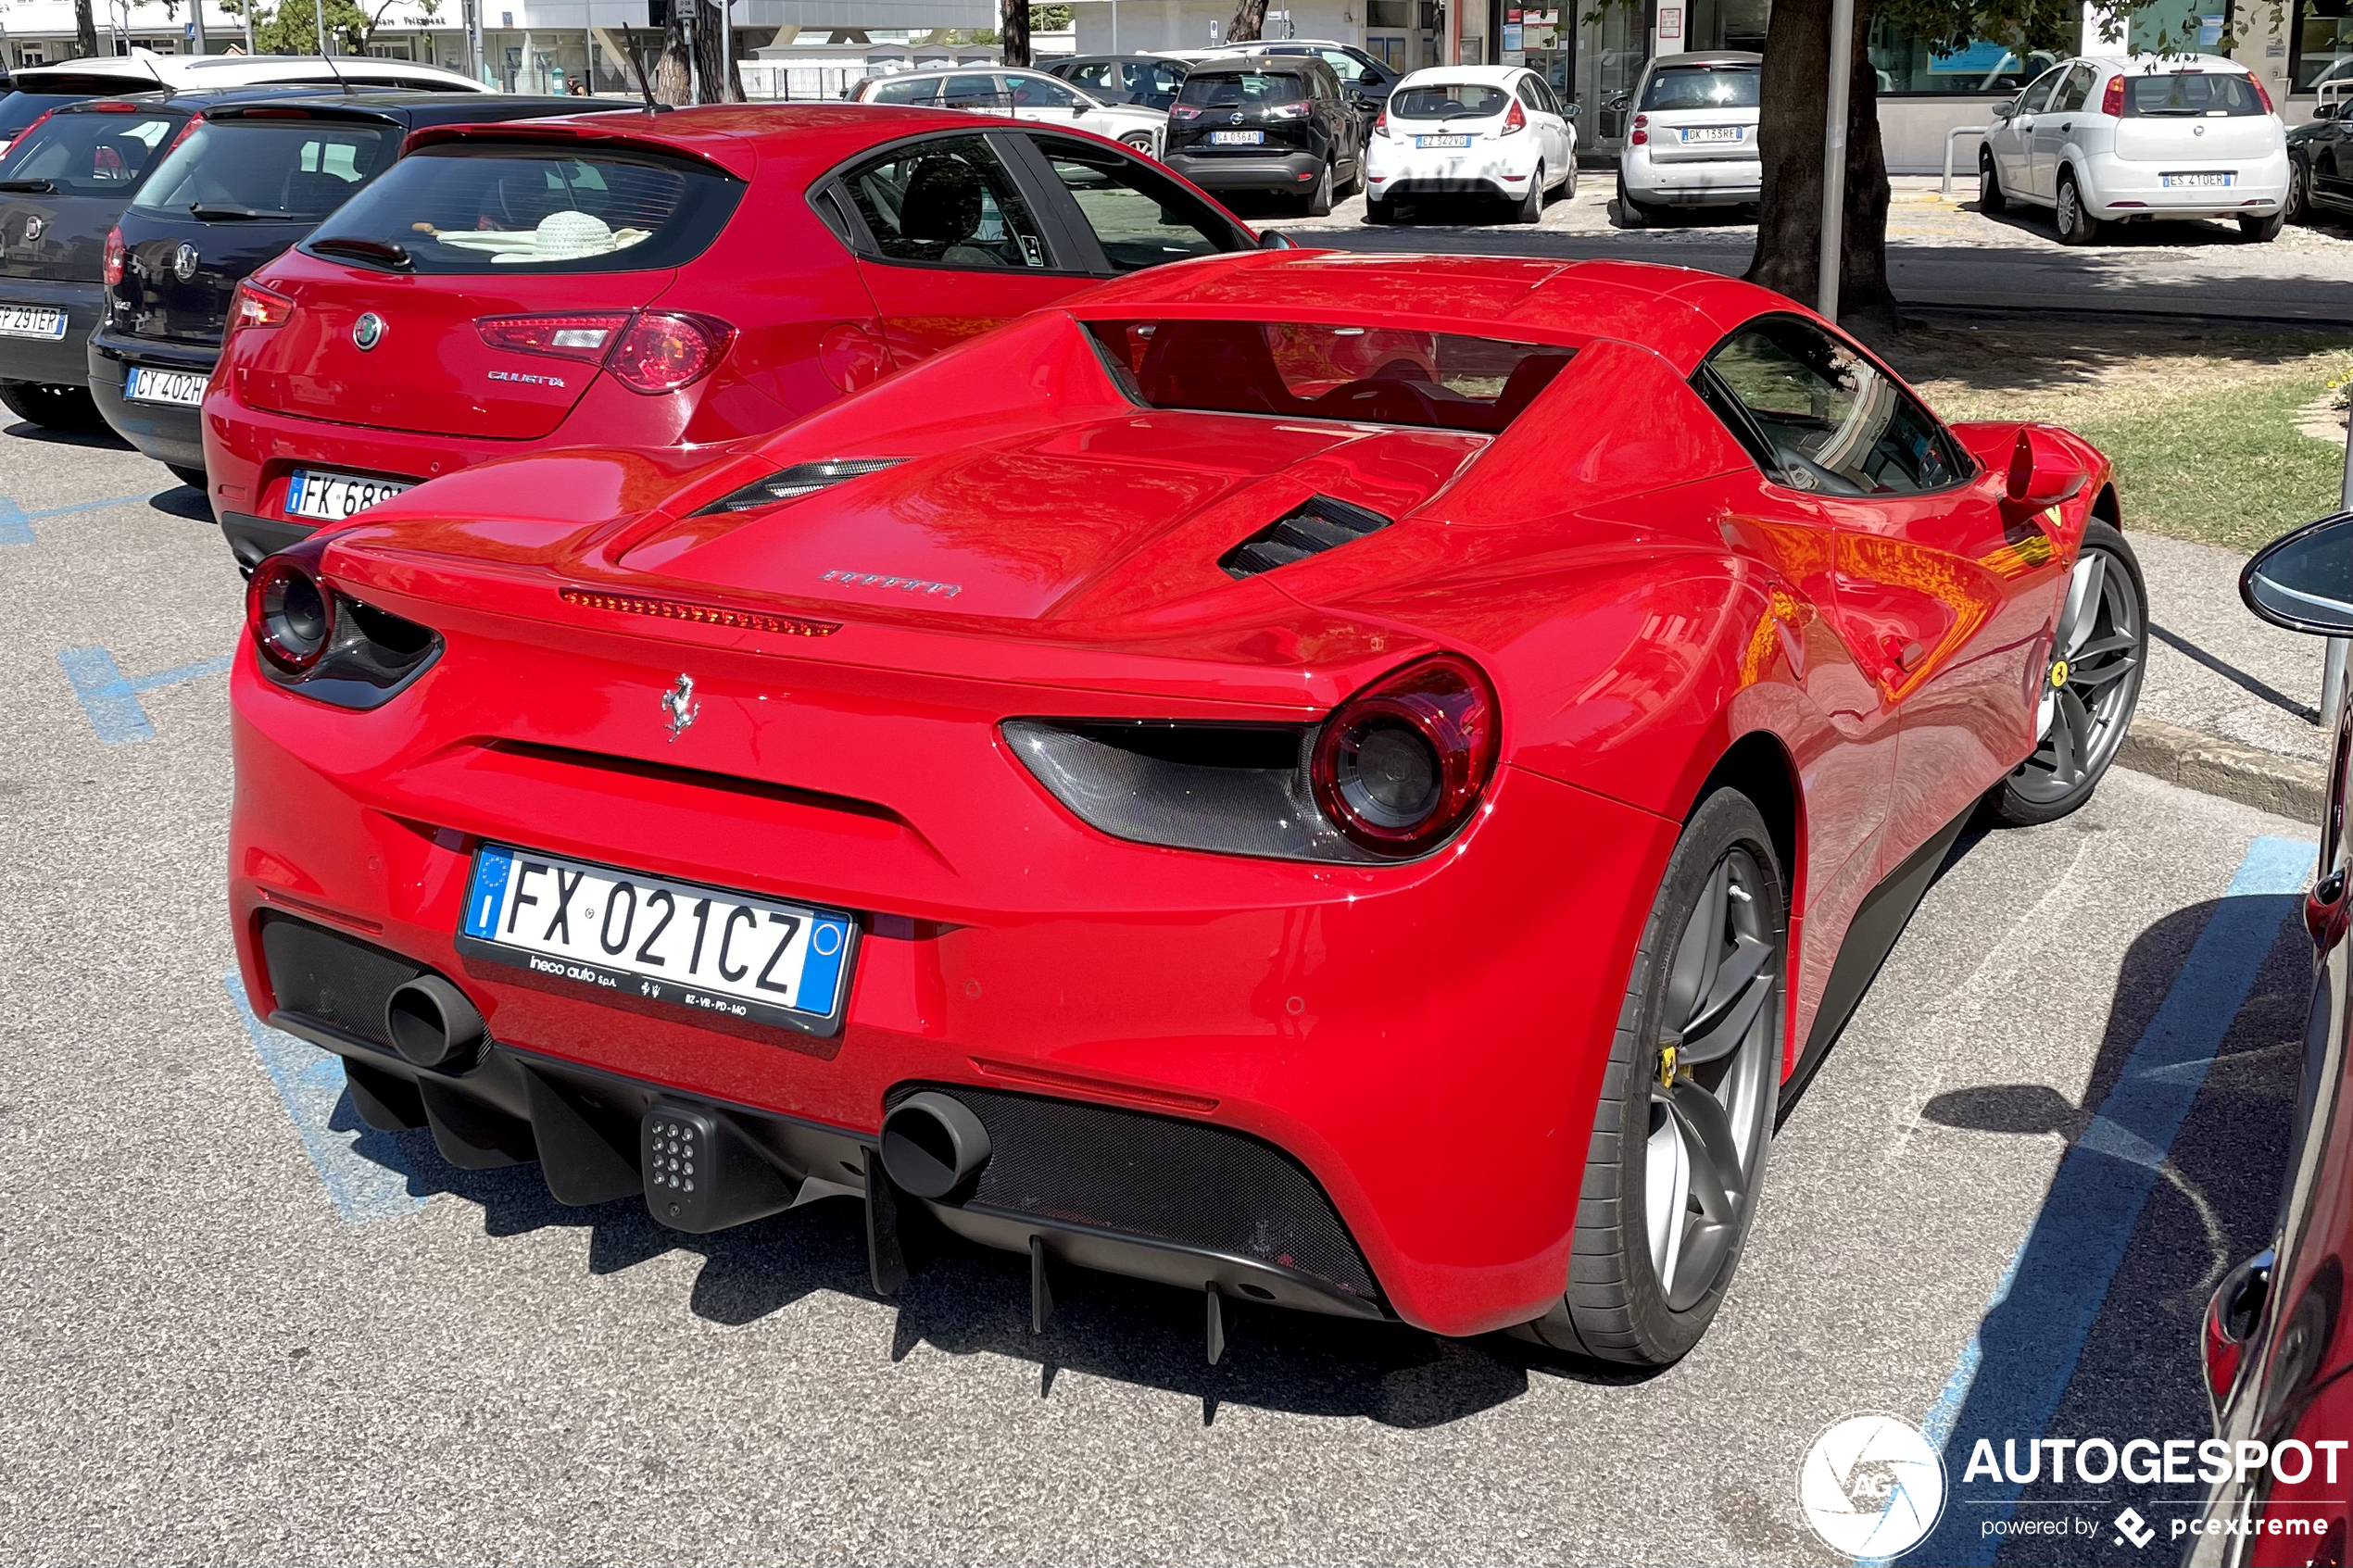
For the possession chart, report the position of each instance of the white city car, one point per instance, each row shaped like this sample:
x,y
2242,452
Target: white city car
x,y
2134,138
1470,131
1025,95
1692,141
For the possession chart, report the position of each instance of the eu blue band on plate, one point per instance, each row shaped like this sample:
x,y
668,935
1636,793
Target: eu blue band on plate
x,y
821,971
488,893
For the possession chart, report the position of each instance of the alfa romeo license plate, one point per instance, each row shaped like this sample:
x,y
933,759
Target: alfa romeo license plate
x,y
2177,180
1712,134
626,934
144,383
331,498
1441,141
1236,138
33,320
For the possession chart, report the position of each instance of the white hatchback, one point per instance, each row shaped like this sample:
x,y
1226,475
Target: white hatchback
x,y
2137,138
1023,94
1470,131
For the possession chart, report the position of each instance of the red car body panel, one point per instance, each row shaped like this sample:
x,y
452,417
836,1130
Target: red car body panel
x,y
1641,599
821,323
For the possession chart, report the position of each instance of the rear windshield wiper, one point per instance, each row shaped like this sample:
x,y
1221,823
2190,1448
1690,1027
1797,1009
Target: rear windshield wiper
x,y
380,253
30,187
217,212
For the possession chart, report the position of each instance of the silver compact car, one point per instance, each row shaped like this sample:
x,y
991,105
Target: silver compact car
x,y
1692,138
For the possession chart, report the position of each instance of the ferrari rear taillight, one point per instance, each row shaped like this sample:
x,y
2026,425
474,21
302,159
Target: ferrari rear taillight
x,y
2112,100
1515,121
663,351
588,337
1402,764
290,613
110,262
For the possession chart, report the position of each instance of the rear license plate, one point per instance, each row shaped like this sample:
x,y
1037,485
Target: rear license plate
x,y
1236,138
627,933
33,320
331,498
1441,141
1712,134
2177,180
181,388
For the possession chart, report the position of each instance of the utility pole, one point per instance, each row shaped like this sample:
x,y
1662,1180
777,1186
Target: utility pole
x,y
320,7
1841,81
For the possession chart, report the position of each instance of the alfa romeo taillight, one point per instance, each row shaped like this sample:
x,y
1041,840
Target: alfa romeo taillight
x,y
1516,121
1402,764
110,263
663,351
254,305
2112,100
587,336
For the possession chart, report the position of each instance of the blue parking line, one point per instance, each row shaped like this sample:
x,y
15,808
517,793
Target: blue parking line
x,y
2008,1382
111,700
363,1169
16,523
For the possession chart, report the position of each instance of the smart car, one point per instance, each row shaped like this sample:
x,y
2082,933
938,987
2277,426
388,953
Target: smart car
x,y
1163,789
1692,142
688,278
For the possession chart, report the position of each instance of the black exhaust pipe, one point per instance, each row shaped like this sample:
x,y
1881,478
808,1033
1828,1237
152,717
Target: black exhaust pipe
x,y
933,1145
432,1024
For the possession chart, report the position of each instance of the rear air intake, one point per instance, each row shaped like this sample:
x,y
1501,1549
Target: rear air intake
x,y
1316,524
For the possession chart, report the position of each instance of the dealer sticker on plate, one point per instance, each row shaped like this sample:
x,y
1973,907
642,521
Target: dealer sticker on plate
x,y
676,942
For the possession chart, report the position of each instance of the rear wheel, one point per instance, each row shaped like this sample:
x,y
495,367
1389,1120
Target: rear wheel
x,y
2298,208
53,408
1142,141
2262,230
1631,214
1687,1102
2089,687
2076,224
1531,205
1989,198
1380,211
1319,199
1568,182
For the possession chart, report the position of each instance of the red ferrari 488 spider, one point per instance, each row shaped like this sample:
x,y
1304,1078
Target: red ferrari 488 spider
x,y
1353,783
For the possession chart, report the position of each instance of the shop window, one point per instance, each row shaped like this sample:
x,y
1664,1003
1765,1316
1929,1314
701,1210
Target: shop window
x,y
1908,60
2322,43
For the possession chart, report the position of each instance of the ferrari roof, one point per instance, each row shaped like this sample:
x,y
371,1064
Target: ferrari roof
x,y
1676,311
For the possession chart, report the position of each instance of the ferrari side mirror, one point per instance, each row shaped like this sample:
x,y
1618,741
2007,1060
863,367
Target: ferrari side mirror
x,y
1275,239
2043,472
2304,579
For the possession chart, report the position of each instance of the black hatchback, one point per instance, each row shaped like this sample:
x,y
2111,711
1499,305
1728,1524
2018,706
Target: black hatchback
x,y
251,181
1279,125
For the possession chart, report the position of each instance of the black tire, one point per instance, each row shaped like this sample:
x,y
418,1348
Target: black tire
x,y
2298,208
1620,1306
1568,186
1990,196
1631,214
1355,183
1319,200
187,475
1380,211
1531,205
52,407
2097,662
2263,231
2076,224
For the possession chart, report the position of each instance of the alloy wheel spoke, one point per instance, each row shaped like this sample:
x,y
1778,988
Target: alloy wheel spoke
x,y
2062,746
1699,953
2076,720
2084,601
2120,642
1716,1161
2091,678
1723,1036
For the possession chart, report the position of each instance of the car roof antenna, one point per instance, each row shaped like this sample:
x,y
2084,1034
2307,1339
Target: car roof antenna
x,y
144,57
644,88
341,86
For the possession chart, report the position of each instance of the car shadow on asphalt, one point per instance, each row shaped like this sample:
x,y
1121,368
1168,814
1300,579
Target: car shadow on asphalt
x,y
183,501
973,1300
98,440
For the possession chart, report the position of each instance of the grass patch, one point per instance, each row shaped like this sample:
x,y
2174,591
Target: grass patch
x,y
2201,423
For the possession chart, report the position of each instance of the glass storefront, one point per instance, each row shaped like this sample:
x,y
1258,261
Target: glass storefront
x,y
1909,61
2320,45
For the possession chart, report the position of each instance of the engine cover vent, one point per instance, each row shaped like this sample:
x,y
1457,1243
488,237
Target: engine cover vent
x,y
1316,524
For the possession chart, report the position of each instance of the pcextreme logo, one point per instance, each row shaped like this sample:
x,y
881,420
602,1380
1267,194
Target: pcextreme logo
x,y
1871,1485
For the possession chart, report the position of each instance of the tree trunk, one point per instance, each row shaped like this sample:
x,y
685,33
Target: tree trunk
x,y
1789,228
714,85
85,30
673,76
1014,30
1250,21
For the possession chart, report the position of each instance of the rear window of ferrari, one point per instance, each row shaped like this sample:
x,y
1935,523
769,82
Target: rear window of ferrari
x,y
1301,369
538,208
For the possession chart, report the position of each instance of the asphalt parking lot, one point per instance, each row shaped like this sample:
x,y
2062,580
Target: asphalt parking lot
x,y
239,1329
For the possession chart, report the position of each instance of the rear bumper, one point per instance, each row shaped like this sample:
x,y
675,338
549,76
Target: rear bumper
x,y
64,362
1289,172
166,434
1400,172
251,537
2118,188
1427,1049
1692,183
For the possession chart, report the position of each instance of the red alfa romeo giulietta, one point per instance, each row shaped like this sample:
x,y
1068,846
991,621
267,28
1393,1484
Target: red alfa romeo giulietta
x,y
1350,783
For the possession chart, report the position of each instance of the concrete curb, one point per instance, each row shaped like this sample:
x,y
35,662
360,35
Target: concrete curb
x,y
2287,786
